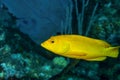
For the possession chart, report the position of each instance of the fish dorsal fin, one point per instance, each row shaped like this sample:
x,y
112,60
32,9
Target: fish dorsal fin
x,y
87,39
103,43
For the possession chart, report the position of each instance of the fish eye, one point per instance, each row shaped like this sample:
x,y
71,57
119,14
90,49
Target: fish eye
x,y
52,41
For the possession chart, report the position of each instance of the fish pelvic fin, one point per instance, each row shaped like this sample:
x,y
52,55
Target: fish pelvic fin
x,y
113,51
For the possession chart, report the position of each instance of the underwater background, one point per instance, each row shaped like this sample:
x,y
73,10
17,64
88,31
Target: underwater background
x,y
24,24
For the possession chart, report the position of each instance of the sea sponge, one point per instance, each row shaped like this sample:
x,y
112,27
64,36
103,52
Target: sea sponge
x,y
60,61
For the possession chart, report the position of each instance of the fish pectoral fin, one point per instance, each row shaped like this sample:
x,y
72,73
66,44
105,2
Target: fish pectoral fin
x,y
78,54
97,59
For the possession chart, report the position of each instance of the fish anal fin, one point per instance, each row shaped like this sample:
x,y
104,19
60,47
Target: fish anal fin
x,y
97,59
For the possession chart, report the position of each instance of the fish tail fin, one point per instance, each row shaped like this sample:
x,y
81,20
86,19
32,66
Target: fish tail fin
x,y
113,51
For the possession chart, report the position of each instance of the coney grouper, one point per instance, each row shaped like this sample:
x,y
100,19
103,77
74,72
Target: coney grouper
x,y
80,47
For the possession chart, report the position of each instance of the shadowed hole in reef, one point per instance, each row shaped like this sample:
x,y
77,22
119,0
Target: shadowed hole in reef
x,y
103,77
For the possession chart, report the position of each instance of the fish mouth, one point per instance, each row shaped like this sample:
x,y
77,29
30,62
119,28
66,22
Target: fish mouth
x,y
42,44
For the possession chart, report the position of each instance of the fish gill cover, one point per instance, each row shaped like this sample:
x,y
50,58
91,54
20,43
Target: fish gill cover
x,y
38,18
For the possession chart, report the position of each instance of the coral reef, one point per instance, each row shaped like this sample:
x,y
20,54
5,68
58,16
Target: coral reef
x,y
19,60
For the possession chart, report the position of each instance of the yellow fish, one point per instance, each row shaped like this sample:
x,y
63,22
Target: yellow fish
x,y
80,47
